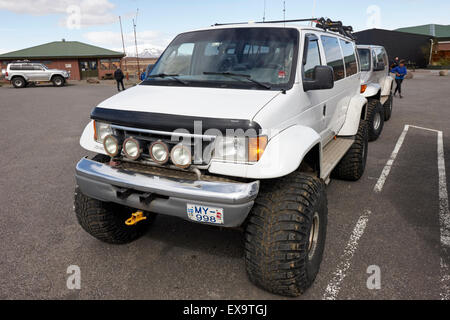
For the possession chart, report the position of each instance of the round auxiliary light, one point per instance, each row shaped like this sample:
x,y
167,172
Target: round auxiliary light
x,y
159,152
181,156
132,149
111,145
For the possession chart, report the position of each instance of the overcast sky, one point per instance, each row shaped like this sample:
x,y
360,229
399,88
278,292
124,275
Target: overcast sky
x,y
26,23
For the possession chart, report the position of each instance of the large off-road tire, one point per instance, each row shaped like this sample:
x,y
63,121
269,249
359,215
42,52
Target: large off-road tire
x,y
285,234
58,81
388,105
106,221
352,166
18,82
375,119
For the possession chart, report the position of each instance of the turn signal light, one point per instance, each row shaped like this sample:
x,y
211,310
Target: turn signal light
x,y
256,148
363,88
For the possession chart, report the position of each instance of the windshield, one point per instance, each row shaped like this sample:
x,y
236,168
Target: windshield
x,y
364,57
248,58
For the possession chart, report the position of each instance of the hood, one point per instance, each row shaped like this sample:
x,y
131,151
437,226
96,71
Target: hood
x,y
191,101
57,70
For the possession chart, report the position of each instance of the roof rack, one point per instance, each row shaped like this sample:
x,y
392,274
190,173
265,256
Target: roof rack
x,y
325,24
335,26
20,61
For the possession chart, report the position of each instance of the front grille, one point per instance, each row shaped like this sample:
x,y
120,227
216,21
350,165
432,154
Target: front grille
x,y
170,173
200,146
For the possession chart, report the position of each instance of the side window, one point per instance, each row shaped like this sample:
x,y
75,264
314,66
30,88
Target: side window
x,y
351,65
28,67
374,58
312,58
334,56
381,56
364,58
15,67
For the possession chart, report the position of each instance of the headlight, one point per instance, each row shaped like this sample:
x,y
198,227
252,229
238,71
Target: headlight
x,y
240,149
132,149
101,130
111,145
159,152
181,156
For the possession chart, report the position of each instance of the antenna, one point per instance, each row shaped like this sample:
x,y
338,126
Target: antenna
x,y
264,14
284,12
135,42
313,11
123,42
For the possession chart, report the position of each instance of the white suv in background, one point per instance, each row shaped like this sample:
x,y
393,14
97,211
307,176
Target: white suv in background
x,y
21,73
376,86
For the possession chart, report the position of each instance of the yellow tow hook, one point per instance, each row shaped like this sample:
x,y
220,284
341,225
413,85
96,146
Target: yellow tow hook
x,y
135,218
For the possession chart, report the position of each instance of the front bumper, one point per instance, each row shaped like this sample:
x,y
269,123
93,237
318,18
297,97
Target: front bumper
x,y
163,195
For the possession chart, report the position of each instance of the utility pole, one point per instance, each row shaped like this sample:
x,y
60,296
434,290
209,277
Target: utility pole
x,y
135,43
123,44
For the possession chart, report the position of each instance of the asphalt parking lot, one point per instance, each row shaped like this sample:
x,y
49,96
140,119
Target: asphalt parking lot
x,y
396,221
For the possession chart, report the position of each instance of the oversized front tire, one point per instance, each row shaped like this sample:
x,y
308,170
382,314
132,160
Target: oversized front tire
x,y
352,166
285,234
106,221
388,105
375,119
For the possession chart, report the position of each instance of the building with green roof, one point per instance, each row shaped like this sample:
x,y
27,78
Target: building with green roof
x,y
435,30
81,59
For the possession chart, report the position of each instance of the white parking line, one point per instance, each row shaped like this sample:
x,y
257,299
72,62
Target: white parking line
x,y
387,169
444,219
444,214
334,286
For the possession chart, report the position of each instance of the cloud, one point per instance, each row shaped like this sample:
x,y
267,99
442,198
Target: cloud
x,y
147,40
77,14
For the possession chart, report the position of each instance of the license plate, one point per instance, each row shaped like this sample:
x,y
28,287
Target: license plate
x,y
205,214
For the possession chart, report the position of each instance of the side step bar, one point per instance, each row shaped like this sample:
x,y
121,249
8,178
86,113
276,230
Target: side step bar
x,y
332,154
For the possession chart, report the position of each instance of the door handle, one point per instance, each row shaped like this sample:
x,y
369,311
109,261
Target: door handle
x,y
324,110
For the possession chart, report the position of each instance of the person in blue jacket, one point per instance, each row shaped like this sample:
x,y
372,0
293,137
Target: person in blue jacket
x,y
143,75
400,72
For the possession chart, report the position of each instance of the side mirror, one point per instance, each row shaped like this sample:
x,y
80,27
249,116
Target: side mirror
x,y
323,79
380,66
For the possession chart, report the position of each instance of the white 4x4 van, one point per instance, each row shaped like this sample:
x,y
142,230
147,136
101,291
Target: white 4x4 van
x,y
236,125
376,86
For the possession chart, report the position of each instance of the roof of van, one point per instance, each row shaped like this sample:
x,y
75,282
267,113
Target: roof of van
x,y
270,25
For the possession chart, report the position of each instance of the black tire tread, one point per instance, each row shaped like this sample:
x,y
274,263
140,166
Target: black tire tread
x,y
277,234
352,166
374,106
106,221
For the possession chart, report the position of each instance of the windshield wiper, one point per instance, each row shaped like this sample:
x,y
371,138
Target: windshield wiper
x,y
165,75
246,76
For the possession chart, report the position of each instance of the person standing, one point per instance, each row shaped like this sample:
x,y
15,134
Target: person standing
x,y
118,75
395,63
400,72
143,76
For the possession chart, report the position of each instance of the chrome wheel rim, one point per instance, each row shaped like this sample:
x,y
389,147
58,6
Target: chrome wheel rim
x,y
313,235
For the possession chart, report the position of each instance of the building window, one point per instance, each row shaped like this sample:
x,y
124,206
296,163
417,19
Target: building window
x,y
109,64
